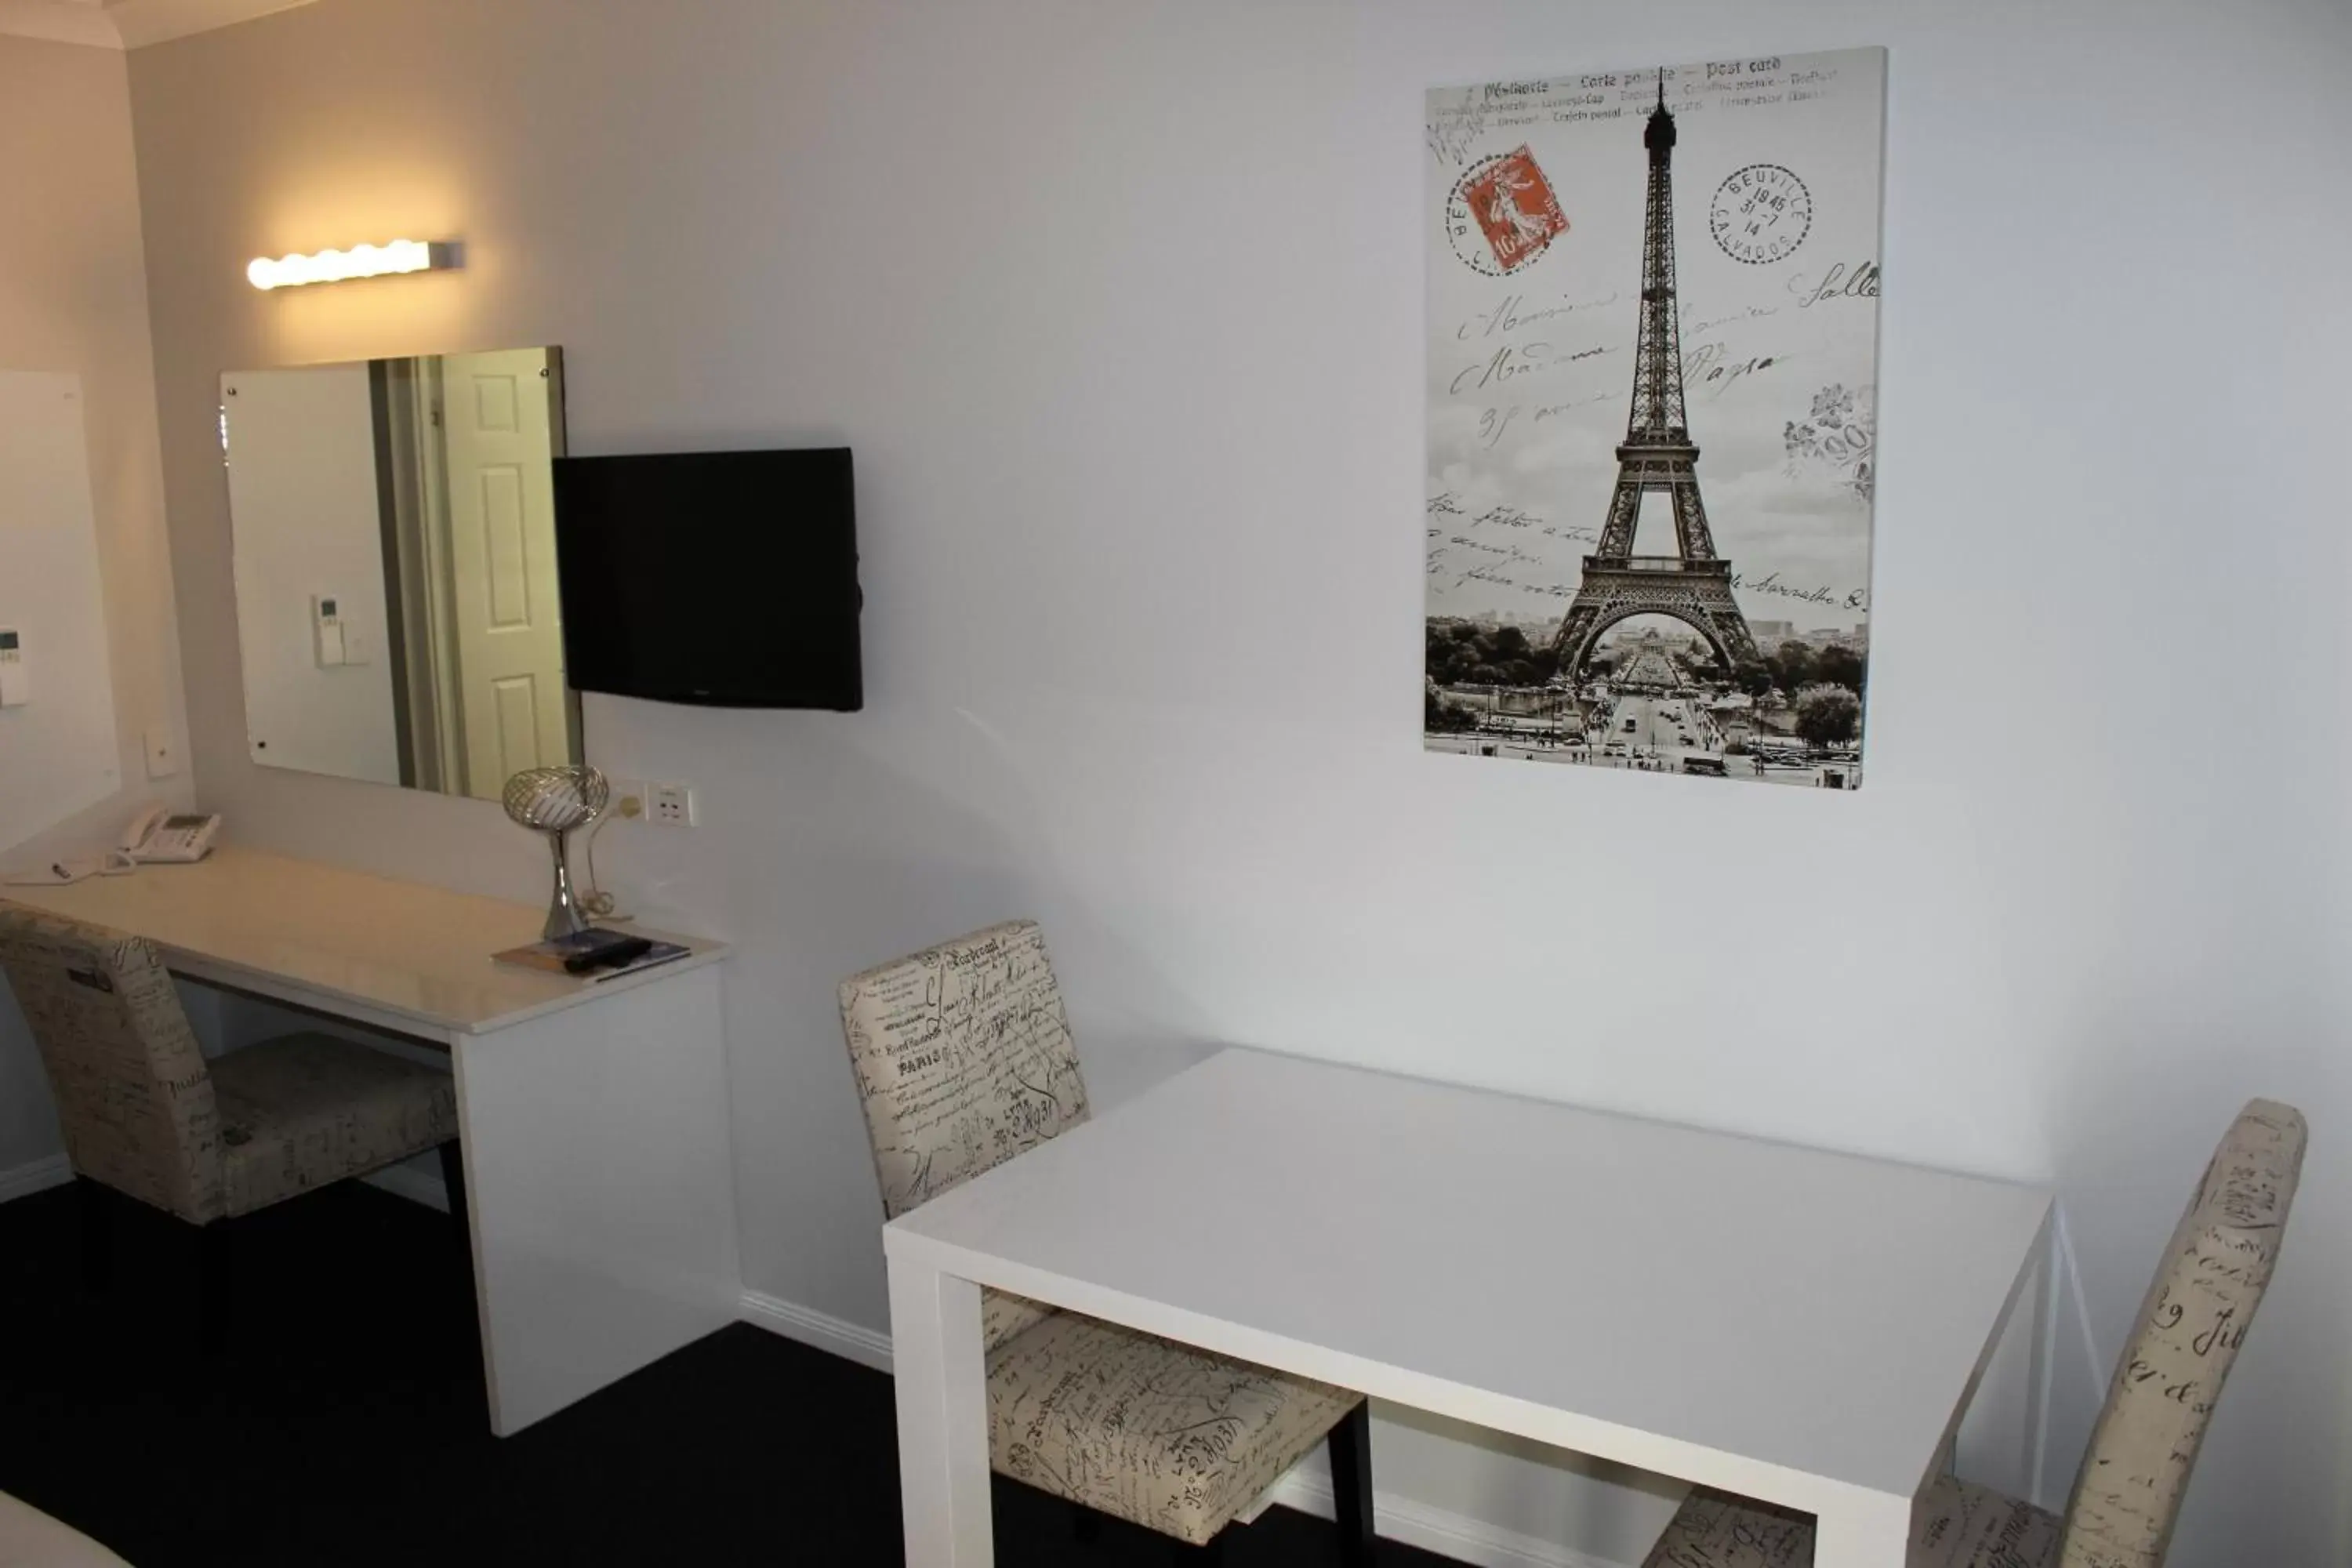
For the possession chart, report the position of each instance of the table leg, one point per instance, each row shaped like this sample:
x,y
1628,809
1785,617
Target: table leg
x,y
941,1374
1868,1532
600,1199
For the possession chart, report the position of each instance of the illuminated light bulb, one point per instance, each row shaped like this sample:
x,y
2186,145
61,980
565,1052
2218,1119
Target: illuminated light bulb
x,y
338,265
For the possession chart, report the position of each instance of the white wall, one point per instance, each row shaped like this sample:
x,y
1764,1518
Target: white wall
x,y
58,744
73,297
309,523
1121,307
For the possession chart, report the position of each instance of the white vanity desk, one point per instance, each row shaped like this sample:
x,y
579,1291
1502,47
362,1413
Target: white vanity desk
x,y
594,1114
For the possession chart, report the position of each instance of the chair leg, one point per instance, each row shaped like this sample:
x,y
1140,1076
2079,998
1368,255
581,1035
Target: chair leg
x,y
453,1179
452,1182
95,1206
1352,1486
461,1242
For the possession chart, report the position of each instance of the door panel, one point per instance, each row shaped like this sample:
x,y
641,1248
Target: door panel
x,y
517,698
502,565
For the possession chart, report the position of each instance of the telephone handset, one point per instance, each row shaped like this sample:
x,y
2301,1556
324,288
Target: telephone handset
x,y
160,833
157,834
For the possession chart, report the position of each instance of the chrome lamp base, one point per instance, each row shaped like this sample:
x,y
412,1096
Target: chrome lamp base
x,y
563,916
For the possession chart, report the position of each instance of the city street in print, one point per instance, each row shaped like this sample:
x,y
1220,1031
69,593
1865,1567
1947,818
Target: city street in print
x,y
1653,393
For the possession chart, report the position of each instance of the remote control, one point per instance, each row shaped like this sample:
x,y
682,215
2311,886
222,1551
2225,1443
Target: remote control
x,y
612,955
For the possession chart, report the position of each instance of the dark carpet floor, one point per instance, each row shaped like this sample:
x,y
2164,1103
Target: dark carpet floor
x,y
342,1421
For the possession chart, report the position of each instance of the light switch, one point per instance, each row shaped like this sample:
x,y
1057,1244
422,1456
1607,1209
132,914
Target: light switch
x,y
163,757
327,630
15,679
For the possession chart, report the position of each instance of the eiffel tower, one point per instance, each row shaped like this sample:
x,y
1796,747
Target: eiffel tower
x,y
1692,585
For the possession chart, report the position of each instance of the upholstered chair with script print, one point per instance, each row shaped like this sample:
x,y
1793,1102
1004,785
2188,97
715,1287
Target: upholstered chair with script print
x,y
963,1060
2136,1471
145,1114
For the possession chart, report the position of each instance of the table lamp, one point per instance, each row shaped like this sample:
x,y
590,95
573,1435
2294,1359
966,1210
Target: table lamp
x,y
554,801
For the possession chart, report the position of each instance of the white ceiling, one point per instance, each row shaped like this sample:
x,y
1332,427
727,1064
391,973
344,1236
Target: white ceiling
x,y
128,24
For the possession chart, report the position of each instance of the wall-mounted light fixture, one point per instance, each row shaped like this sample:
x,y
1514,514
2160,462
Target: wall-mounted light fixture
x,y
363,261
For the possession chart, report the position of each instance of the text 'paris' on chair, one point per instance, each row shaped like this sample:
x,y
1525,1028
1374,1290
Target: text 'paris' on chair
x,y
963,1059
146,1115
2129,1493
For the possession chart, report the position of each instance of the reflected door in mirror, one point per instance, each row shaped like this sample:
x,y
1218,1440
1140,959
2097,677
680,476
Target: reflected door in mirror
x,y
397,606
499,456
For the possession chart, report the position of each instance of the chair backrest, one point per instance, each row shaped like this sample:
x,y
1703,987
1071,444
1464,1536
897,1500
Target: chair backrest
x,y
2136,1471
133,1095
963,1059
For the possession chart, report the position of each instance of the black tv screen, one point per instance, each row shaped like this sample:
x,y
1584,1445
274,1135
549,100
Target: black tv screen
x,y
728,579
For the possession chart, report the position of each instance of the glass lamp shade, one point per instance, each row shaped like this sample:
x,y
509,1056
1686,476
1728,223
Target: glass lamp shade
x,y
554,801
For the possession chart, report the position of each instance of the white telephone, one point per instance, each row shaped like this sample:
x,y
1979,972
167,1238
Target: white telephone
x,y
160,833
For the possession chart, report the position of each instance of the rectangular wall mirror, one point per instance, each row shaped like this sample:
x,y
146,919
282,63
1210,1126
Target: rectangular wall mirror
x,y
396,567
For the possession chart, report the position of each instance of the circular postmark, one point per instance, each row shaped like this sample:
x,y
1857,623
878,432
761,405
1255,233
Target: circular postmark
x,y
1502,214
1761,214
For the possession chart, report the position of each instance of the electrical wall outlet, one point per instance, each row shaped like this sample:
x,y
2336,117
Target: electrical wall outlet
x,y
163,757
670,804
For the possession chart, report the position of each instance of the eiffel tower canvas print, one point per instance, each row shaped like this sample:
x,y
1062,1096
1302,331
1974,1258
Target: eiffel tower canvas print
x,y
1653,416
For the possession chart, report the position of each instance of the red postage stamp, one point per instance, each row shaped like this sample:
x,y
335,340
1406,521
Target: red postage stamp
x,y
1515,207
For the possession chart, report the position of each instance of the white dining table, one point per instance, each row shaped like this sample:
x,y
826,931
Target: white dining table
x,y
1797,1326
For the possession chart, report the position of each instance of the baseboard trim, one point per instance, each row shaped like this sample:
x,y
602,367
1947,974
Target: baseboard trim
x,y
414,1185
23,1181
817,1329
1451,1535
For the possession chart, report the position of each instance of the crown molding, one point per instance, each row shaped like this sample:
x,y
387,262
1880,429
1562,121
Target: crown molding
x,y
128,24
143,22
59,22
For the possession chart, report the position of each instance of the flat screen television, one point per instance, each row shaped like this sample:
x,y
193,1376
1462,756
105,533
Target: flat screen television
x,y
728,579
